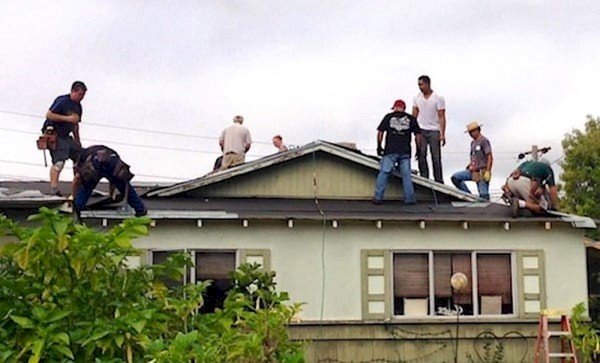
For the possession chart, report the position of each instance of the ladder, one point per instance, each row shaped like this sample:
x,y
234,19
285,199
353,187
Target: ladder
x,y
542,350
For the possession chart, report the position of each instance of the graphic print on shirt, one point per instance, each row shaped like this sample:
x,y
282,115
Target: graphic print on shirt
x,y
400,124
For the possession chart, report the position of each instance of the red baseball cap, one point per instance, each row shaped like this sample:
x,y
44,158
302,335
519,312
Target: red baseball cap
x,y
399,103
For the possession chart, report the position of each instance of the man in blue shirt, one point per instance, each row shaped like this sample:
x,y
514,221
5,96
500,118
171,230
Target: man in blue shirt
x,y
63,119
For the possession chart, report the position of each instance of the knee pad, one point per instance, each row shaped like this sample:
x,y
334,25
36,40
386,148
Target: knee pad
x,y
59,165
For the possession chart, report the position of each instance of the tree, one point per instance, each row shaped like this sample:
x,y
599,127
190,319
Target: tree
x,y
581,170
67,295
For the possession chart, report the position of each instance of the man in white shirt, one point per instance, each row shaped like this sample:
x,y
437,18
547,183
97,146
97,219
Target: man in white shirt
x,y
430,110
235,142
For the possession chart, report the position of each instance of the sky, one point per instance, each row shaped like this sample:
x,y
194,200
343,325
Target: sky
x,y
165,77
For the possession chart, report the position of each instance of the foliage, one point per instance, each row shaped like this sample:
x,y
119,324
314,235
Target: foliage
x,y
585,336
68,295
250,327
581,170
493,352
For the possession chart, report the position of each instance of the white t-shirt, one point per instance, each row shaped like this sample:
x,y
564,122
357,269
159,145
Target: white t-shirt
x,y
235,138
428,110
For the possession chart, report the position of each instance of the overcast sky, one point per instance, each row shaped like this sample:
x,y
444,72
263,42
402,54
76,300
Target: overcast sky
x,y
527,70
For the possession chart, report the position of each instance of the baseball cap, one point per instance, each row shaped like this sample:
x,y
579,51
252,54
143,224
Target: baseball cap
x,y
399,103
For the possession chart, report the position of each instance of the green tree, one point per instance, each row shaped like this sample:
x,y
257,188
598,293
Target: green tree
x,y
581,170
67,295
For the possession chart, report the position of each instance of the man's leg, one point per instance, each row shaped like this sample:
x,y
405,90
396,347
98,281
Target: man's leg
x,y
459,178
407,184
423,168
133,199
59,156
82,196
484,189
385,168
436,156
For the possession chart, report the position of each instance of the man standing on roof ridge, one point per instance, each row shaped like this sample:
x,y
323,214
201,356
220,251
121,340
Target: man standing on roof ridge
x,y
397,126
63,119
430,110
235,141
479,169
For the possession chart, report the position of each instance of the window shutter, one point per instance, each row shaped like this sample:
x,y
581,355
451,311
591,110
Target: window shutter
x,y
411,275
531,283
261,257
494,275
376,277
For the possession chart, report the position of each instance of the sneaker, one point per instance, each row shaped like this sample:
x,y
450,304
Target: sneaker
x,y
141,213
514,207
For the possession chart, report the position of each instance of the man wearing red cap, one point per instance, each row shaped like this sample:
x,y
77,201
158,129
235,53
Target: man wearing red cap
x,y
397,126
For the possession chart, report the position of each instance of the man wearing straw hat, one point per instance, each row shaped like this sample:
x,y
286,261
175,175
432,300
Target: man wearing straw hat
x,y
479,169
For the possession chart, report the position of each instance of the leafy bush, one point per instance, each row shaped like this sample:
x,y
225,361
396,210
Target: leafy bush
x,y
585,336
68,296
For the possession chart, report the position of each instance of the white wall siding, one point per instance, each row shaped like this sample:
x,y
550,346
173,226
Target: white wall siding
x,y
296,254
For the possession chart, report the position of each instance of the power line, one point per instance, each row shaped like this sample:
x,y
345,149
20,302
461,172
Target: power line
x,y
136,129
28,163
146,146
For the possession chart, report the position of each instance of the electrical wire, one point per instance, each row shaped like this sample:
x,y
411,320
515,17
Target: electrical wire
x,y
136,129
40,165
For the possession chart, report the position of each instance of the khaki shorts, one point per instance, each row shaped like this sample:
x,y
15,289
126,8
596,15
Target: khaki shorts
x,y
520,188
231,160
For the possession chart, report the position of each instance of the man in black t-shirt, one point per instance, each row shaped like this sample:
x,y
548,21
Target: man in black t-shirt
x,y
398,127
63,119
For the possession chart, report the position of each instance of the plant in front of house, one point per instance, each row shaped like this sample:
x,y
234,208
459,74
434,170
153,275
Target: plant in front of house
x,y
250,328
585,336
68,295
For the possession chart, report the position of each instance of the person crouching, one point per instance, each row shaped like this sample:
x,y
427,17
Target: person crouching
x,y
97,162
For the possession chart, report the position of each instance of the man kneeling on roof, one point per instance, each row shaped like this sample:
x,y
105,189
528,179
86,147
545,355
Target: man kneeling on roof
x,y
531,186
97,162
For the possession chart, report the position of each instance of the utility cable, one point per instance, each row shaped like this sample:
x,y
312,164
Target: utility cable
x,y
136,129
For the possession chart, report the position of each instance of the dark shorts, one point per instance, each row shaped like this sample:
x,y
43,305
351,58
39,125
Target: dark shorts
x,y
66,148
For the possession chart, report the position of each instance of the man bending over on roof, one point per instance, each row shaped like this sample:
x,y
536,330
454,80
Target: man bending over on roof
x,y
529,185
97,162
397,126
235,142
278,143
63,119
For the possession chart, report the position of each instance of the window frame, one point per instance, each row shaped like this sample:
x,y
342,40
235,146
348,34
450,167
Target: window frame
x,y
475,286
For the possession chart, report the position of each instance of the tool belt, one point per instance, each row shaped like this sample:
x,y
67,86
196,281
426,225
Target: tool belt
x,y
122,171
47,141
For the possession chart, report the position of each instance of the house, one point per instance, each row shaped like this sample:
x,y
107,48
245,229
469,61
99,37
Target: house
x,y
375,279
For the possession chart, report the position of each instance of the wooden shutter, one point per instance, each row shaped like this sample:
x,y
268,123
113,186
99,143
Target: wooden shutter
x,y
411,275
531,283
261,257
376,284
214,265
442,271
494,276
159,257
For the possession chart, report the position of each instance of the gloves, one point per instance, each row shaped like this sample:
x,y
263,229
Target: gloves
x,y
487,176
379,150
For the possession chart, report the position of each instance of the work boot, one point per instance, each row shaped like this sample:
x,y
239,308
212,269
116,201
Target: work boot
x,y
141,213
376,201
514,207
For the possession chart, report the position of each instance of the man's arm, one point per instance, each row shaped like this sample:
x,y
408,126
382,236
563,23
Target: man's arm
x,y
76,134
72,119
248,142
442,118
554,197
489,162
379,140
415,111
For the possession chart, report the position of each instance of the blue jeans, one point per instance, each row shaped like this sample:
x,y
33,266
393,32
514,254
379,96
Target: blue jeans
x,y
105,170
387,165
460,177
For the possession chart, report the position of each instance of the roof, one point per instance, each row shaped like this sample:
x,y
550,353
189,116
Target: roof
x,y
349,154
306,209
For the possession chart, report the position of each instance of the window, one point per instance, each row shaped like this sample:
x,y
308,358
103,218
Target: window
x,y
422,286
214,265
